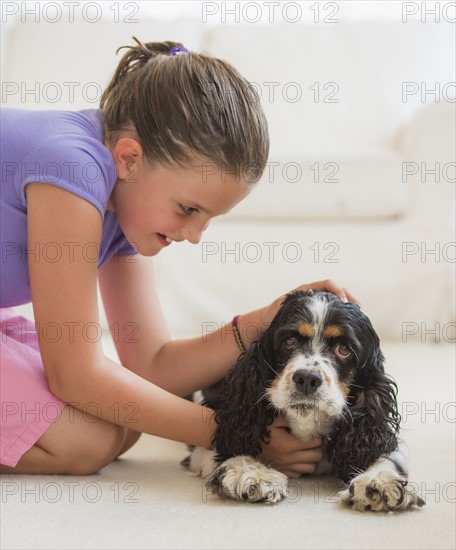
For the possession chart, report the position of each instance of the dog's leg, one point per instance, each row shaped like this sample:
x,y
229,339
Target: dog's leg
x,y
240,478
382,487
201,462
245,479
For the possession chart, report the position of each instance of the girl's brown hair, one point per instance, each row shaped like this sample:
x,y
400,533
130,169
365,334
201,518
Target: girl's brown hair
x,y
187,106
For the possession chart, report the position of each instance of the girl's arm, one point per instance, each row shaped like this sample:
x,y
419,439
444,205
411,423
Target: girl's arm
x,y
65,302
142,339
142,342
141,336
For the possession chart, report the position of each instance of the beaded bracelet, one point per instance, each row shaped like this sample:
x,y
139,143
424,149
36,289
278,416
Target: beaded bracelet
x,y
237,334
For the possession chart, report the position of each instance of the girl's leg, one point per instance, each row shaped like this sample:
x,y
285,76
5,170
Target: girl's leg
x,y
130,439
74,445
39,432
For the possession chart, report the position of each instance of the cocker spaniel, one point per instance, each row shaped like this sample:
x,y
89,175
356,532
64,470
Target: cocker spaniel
x,y
319,364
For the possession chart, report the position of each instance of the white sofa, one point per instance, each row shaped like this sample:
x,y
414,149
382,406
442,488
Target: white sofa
x,y
342,196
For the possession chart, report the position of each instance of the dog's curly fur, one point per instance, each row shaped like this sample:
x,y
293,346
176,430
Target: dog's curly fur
x,y
319,363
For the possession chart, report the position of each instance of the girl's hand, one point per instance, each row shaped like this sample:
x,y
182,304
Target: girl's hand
x,y
269,312
289,455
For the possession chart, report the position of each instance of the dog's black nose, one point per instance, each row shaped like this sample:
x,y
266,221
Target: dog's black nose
x,y
307,381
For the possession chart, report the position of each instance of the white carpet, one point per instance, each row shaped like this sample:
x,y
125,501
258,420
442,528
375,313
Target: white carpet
x,y
147,500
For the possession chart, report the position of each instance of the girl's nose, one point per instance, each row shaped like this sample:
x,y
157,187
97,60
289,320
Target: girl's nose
x,y
193,237
192,233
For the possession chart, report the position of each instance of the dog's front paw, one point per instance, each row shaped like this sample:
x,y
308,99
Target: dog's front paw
x,y
245,479
385,492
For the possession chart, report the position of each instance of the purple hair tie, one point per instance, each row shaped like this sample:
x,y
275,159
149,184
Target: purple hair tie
x,y
177,50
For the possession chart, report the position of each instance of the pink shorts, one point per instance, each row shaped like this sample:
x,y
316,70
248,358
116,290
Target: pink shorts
x,y
28,407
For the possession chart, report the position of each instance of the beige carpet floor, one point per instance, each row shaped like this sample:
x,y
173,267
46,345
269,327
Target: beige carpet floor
x,y
147,500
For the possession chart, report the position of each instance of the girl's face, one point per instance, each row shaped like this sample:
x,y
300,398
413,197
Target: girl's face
x,y
157,206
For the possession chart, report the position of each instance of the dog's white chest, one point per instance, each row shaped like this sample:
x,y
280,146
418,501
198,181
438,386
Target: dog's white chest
x,y
303,425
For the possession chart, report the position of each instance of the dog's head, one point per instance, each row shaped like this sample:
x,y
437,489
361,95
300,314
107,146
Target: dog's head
x,y
319,346
319,363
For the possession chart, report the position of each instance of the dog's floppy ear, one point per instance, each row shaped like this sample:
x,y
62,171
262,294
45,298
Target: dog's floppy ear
x,y
369,426
241,406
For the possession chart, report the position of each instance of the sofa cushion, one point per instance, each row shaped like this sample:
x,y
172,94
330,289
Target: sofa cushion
x,y
338,85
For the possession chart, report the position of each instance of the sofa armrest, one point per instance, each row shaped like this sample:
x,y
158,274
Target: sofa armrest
x,y
427,144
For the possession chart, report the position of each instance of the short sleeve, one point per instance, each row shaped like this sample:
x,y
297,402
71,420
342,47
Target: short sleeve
x,y
81,165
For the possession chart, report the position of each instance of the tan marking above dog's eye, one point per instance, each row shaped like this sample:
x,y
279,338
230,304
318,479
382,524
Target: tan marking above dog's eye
x,y
333,331
306,330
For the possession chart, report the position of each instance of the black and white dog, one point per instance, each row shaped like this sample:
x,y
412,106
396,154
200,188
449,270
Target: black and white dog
x,y
319,364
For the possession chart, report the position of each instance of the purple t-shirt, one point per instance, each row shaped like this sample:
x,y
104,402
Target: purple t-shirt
x,y
61,148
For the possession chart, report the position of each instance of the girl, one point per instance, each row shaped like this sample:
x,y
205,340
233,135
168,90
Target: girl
x,y
92,196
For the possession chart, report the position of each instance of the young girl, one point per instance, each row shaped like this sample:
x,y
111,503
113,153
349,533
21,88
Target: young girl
x,y
92,196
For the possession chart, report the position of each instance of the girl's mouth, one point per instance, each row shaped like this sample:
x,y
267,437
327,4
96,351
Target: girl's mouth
x,y
165,241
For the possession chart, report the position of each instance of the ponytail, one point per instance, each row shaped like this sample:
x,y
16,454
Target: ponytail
x,y
135,59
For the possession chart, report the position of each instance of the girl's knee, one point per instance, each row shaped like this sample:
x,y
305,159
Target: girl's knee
x,y
98,449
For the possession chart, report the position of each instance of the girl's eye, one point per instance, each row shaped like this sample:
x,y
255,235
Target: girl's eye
x,y
343,352
187,209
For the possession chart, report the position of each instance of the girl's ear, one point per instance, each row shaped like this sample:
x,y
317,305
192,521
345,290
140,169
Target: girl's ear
x,y
368,427
127,154
242,410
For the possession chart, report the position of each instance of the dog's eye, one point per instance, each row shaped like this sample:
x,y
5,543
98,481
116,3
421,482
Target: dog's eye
x,y
289,343
342,351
